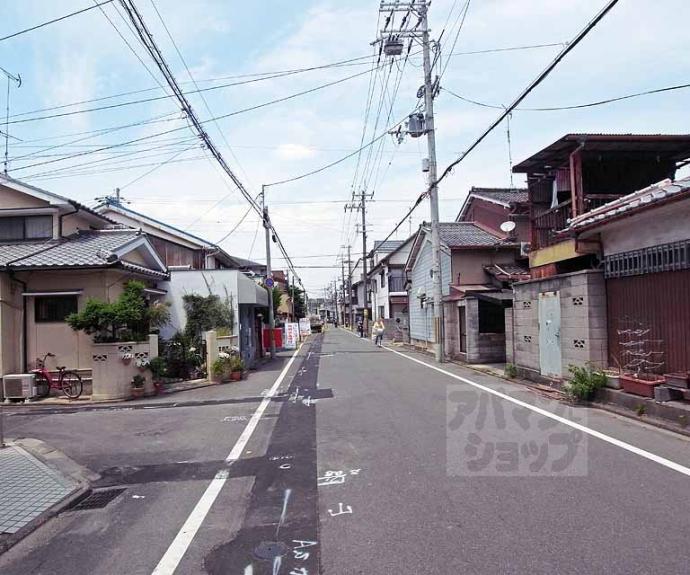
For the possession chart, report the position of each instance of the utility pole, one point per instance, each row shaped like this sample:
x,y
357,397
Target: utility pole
x,y
361,206
392,45
342,279
269,277
349,287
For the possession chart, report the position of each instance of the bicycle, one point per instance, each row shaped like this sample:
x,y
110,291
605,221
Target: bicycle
x,y
68,381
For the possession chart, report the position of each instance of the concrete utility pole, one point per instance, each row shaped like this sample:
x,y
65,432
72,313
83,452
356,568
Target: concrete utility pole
x,y
269,277
342,299
392,46
349,287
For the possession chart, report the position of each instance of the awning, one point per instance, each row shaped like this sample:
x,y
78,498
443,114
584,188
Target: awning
x,y
502,298
49,293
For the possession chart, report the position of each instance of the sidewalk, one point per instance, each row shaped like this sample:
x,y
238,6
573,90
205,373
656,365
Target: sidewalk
x,y
29,488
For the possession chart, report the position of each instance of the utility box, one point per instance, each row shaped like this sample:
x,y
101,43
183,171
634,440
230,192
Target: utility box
x,y
19,386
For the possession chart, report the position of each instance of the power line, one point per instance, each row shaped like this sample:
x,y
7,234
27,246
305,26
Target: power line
x,y
538,80
573,107
32,28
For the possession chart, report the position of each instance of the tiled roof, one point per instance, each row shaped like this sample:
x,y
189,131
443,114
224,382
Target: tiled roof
x,y
637,201
388,245
508,271
503,195
84,249
467,234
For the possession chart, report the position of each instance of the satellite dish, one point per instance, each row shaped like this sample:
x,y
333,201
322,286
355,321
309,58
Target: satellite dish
x,y
507,227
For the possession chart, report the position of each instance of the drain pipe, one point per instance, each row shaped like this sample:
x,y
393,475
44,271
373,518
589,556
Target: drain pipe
x,y
62,216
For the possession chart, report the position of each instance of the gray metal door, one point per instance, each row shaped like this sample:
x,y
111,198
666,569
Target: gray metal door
x,y
550,334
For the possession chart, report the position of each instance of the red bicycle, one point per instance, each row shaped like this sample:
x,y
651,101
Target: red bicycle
x,y
68,381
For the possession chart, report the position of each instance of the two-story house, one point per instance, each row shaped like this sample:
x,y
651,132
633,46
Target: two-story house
x,y
199,266
54,254
387,277
561,316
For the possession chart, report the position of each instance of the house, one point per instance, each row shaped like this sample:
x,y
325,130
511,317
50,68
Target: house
x,y
561,315
491,207
198,266
387,279
477,268
644,240
359,302
54,254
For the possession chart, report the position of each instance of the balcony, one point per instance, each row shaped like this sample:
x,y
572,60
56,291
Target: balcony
x,y
396,285
545,225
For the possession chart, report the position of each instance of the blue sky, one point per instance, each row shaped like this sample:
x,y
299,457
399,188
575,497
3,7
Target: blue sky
x,y
640,45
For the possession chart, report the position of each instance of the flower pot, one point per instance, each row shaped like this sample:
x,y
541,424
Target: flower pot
x,y
137,392
638,386
235,376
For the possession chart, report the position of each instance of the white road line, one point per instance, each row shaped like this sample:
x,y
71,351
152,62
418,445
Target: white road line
x,y
169,562
598,434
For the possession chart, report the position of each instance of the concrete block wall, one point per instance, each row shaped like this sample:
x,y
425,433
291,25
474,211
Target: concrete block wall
x,y
451,320
509,335
583,319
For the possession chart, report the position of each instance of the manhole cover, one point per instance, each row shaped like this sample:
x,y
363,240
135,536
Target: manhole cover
x,y
269,550
97,499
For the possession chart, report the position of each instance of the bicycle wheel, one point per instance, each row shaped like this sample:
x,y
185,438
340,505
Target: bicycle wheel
x,y
42,386
71,384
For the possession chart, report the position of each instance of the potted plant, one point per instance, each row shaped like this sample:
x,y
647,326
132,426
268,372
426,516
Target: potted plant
x,y
138,386
221,368
236,368
158,369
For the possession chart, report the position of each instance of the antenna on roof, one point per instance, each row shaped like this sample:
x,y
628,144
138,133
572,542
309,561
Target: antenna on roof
x,y
113,199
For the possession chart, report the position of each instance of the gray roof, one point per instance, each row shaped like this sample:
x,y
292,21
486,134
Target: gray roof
x,y
85,249
503,195
637,201
246,263
388,245
467,235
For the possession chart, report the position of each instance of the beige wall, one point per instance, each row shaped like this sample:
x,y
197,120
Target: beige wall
x,y
10,325
470,264
10,198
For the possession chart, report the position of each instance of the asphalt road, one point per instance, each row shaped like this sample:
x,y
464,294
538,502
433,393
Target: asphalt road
x,y
365,461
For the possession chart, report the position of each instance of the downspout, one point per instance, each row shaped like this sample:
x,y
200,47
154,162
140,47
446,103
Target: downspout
x,y
61,216
25,328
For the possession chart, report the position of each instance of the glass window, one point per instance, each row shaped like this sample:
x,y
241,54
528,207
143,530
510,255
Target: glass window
x,y
26,228
55,308
12,229
38,227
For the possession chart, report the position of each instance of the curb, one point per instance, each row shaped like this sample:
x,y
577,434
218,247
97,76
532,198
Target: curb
x,y
59,463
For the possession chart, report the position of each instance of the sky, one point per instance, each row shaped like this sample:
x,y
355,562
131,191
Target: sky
x,y
640,45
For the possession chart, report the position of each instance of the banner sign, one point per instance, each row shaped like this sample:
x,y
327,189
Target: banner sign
x,y
304,327
291,335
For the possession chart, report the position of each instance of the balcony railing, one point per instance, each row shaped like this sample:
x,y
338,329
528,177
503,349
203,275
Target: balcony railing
x,y
547,224
396,284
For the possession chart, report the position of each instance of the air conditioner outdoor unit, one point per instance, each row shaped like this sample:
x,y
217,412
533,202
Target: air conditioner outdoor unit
x,y
524,249
19,386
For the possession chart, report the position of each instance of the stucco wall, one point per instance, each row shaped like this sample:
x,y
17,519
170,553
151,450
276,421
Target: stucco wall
x,y
10,322
583,335
469,264
663,225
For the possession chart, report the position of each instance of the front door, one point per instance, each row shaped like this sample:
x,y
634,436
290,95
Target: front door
x,y
550,334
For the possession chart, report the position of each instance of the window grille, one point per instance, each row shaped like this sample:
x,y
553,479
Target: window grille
x,y
664,258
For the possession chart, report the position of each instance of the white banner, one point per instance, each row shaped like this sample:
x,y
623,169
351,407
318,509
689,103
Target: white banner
x,y
291,335
304,327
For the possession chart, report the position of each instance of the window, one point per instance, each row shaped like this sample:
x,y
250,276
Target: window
x,y
26,228
55,308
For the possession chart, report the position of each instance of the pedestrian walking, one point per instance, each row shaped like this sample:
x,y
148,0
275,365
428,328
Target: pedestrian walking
x,y
360,328
379,328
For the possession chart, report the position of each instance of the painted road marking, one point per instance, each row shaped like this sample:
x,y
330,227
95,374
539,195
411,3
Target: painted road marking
x,y
179,546
594,433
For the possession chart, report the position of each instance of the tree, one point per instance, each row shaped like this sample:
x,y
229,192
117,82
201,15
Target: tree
x,y
277,296
297,296
205,313
128,318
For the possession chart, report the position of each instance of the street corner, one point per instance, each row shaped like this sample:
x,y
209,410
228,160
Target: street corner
x,y
496,435
37,483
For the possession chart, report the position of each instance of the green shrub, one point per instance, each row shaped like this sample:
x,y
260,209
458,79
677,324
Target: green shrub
x,y
510,370
138,381
181,356
584,382
205,313
158,367
236,363
222,365
128,318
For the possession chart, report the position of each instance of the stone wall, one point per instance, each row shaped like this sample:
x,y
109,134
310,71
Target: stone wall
x,y
583,335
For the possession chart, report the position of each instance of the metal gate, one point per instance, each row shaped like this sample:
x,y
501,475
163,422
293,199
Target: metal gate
x,y
550,334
